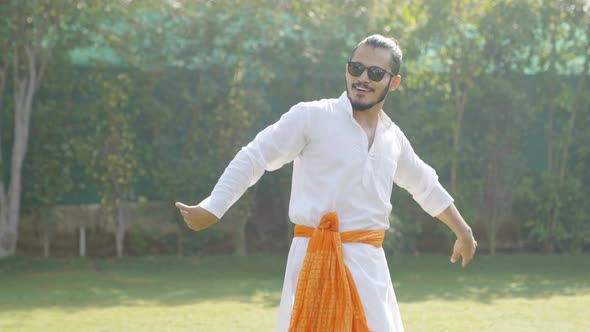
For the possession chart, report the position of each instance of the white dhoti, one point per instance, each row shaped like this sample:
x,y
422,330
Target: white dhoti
x,y
369,269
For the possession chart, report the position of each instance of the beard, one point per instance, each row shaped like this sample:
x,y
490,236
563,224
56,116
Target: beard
x,y
363,106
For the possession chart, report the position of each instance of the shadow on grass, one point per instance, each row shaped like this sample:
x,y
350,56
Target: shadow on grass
x,y
77,283
74,284
490,278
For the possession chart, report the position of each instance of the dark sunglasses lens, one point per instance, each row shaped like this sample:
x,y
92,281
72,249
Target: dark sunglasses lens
x,y
375,73
355,69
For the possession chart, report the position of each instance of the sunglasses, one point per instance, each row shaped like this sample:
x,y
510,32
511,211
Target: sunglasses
x,y
375,73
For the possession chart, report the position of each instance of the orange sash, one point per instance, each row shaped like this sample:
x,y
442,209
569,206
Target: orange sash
x,y
326,297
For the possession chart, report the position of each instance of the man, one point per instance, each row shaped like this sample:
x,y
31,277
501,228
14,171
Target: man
x,y
347,154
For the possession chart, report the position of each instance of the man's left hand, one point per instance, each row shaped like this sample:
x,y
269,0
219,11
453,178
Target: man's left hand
x,y
464,247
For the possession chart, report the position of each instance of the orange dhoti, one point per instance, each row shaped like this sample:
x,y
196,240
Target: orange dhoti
x,y
326,298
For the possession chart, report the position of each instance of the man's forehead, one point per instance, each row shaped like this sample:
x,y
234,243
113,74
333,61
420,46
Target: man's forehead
x,y
371,56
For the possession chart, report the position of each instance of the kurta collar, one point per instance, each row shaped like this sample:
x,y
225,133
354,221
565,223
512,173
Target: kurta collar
x,y
345,103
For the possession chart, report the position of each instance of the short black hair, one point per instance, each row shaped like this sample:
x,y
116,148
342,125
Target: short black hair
x,y
389,43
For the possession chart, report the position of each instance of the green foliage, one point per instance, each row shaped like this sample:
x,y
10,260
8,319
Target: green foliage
x,y
48,171
109,151
540,198
401,237
190,82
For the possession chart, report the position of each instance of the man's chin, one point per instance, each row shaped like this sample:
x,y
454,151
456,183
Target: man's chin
x,y
359,105
364,105
356,106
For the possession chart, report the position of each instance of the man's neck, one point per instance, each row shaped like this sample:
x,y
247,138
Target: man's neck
x,y
368,118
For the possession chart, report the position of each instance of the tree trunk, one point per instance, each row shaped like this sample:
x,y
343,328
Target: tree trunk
x,y
82,240
240,218
25,81
7,238
3,197
240,237
550,139
46,242
492,235
460,97
27,75
179,242
120,230
490,203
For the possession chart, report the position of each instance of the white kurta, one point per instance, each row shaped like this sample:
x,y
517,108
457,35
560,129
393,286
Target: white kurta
x,y
335,171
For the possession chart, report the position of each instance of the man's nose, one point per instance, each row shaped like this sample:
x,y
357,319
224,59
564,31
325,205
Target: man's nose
x,y
364,76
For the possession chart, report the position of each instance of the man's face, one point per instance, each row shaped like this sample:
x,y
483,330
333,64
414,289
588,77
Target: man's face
x,y
362,92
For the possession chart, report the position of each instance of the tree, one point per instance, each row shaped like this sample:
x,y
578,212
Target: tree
x,y
29,33
452,34
507,30
109,149
48,170
28,38
562,40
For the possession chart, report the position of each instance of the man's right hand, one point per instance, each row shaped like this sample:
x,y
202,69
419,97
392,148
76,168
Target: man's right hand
x,y
195,217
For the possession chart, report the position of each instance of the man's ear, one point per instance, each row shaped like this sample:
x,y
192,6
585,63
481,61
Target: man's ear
x,y
395,82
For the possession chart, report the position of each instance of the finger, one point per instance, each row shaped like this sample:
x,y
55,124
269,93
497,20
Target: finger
x,y
184,213
181,206
469,255
466,261
455,256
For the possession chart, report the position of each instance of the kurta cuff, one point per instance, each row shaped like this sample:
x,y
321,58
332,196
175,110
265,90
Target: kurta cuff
x,y
209,205
436,201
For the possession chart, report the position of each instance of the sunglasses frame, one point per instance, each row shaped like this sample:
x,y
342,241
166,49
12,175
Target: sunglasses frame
x,y
370,71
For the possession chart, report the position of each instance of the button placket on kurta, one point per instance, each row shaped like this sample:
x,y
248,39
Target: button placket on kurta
x,y
369,154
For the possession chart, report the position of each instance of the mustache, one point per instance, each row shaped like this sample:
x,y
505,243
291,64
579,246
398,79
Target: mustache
x,y
363,86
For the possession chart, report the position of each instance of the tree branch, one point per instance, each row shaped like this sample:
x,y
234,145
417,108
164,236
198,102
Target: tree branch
x,y
39,40
3,74
17,79
45,59
30,87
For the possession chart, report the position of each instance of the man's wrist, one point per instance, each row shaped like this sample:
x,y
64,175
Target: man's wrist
x,y
464,234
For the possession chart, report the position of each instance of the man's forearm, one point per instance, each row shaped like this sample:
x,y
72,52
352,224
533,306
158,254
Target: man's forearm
x,y
453,219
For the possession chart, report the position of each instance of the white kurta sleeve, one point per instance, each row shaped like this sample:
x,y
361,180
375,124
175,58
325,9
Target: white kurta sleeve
x,y
420,180
272,148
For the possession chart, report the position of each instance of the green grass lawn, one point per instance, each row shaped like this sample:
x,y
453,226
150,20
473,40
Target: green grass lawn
x,y
503,293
